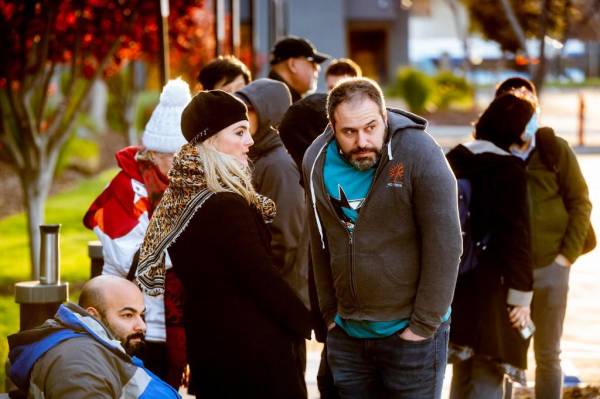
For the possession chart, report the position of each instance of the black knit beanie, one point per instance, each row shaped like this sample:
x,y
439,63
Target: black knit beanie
x,y
209,112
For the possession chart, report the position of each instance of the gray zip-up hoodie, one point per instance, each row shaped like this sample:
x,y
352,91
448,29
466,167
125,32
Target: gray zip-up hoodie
x,y
401,261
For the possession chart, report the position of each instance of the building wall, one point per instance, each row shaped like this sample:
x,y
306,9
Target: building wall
x,y
321,22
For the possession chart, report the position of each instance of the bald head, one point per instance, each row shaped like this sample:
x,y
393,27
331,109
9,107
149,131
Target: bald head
x,y
96,290
119,305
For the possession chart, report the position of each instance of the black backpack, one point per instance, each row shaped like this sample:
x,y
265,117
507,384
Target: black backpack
x,y
472,247
549,149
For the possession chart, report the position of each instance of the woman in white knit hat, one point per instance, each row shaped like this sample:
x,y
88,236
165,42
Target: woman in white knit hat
x,y
121,213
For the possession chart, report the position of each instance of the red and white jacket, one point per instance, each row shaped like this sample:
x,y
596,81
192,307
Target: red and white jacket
x,y
120,217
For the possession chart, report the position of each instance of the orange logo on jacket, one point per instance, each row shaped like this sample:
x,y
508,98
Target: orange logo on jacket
x,y
396,175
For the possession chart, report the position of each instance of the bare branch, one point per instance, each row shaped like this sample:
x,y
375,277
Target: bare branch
x,y
11,147
60,129
39,114
76,51
516,27
29,148
43,49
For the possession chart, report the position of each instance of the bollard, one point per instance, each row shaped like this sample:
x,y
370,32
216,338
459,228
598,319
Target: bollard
x,y
49,254
39,300
581,120
96,257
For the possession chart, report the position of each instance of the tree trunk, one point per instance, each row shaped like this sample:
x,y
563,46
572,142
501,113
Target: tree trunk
x,y
36,186
461,31
517,29
132,92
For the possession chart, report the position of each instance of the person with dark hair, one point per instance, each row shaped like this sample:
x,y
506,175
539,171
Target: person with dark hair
x,y
515,82
241,318
226,72
491,301
560,231
339,69
88,350
296,62
385,245
302,123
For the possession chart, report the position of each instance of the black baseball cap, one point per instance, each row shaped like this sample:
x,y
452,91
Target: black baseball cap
x,y
293,46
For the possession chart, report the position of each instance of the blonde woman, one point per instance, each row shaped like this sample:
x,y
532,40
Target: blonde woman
x,y
241,318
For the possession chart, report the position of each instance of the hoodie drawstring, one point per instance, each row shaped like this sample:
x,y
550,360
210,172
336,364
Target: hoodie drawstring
x,y
314,197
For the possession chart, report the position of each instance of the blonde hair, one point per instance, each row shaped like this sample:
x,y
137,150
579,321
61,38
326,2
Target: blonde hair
x,y
224,173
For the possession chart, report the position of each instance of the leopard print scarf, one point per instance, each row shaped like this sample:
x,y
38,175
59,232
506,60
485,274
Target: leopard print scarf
x,y
186,193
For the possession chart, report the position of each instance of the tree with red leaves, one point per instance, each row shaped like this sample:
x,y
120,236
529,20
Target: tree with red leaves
x,y
52,52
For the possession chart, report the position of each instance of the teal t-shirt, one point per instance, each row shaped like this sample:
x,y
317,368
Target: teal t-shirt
x,y
348,188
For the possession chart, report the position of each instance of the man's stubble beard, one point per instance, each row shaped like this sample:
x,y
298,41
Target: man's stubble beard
x,y
131,348
363,163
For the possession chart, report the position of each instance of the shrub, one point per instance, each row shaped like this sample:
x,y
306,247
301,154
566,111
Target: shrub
x,y
452,90
423,92
415,87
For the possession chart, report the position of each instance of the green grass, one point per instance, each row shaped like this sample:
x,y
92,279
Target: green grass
x,y
66,208
9,324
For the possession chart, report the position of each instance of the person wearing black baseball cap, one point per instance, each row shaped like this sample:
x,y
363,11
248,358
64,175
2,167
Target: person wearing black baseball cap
x,y
296,62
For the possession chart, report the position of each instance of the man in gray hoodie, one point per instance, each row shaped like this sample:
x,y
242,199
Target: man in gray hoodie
x,y
385,243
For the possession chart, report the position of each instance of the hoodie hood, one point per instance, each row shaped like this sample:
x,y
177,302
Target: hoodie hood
x,y
70,321
270,100
398,121
264,144
126,161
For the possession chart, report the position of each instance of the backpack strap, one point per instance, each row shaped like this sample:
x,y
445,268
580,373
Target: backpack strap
x,y
549,150
547,144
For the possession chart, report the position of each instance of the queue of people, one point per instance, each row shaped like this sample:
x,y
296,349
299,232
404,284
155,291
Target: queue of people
x,y
256,212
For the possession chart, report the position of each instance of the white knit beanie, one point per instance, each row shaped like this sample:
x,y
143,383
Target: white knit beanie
x,y
163,130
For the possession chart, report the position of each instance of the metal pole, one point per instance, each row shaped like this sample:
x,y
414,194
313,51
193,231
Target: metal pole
x,y
581,120
50,254
235,27
163,32
220,22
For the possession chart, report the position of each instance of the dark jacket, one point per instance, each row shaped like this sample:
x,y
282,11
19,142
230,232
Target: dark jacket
x,y
75,356
504,276
295,95
276,176
559,221
241,318
401,261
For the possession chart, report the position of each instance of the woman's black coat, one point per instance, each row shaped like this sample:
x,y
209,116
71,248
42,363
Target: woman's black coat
x,y
498,206
241,318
